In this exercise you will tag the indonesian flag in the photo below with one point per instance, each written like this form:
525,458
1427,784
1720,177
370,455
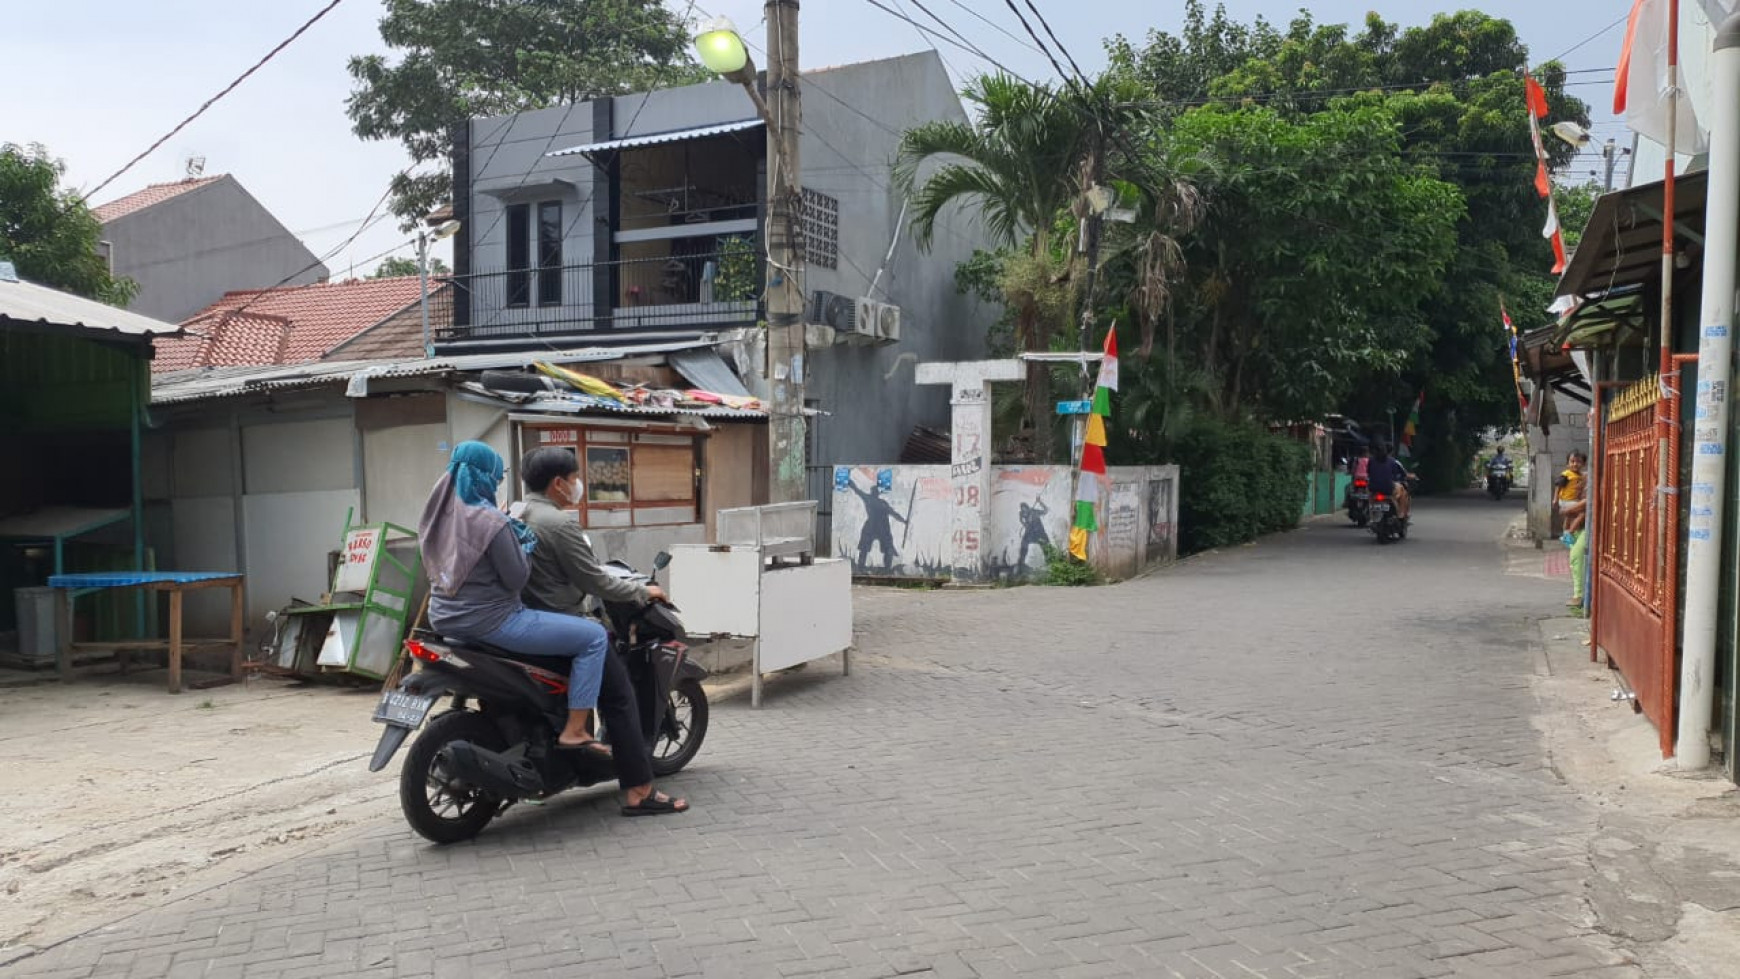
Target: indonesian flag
1640,88
1536,97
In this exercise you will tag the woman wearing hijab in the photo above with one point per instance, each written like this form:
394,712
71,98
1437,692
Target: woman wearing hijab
475,556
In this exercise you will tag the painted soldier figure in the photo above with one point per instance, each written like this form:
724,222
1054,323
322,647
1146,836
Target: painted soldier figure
878,528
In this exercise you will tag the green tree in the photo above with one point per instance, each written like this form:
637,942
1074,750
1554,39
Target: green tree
48,233
1454,92
459,59
398,266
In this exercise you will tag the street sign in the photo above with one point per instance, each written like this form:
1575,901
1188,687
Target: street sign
1075,407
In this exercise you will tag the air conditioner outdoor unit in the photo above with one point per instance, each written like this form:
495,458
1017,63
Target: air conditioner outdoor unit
832,310
864,319
888,323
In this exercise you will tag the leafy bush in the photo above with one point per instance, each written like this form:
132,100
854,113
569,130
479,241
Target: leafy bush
1236,483
1063,569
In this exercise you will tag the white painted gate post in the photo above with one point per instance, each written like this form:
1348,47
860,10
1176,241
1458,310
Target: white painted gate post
970,456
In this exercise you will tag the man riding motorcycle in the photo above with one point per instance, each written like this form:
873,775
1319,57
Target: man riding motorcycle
1498,473
564,571
1388,477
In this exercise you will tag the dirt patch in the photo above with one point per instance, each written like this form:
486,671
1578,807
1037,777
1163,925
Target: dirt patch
115,793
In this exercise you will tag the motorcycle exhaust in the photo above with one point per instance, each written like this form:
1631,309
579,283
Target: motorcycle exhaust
493,772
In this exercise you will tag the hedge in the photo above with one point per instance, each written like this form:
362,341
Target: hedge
1236,483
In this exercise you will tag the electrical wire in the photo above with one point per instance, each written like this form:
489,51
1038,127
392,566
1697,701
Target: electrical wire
208,103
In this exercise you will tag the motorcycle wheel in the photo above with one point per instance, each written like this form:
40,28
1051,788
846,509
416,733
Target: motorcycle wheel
437,807
685,727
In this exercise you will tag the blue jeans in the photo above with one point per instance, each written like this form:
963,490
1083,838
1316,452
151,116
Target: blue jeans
538,633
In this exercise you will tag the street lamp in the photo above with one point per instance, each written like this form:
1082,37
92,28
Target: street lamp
446,229
724,53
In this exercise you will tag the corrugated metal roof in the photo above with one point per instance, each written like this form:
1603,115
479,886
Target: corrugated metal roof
653,139
181,387
24,302
705,369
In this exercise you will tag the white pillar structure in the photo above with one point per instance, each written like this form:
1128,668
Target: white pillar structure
970,454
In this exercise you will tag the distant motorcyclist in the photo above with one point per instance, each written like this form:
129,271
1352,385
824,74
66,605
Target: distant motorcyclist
1389,477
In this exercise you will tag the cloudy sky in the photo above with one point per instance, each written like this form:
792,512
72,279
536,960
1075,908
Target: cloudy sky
97,81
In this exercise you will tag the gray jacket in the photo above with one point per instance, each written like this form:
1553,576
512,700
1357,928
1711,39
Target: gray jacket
564,568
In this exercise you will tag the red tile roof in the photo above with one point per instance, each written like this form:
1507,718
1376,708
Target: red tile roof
154,194
292,325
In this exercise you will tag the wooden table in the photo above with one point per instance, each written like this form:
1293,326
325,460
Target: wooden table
175,584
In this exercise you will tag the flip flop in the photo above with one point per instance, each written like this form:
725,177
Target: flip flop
656,803
591,746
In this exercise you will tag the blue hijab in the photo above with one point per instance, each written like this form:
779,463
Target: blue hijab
460,519
477,474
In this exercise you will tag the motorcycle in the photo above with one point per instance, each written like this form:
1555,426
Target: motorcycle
495,744
1359,502
1498,480
1386,523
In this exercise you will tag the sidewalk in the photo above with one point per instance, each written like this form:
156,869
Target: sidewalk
1666,851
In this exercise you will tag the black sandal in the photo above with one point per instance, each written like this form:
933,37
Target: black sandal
591,746
656,803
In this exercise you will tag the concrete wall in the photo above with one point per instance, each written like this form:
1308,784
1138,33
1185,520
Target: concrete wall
912,508
868,391
186,252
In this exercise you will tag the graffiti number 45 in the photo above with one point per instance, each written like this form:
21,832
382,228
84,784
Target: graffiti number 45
967,540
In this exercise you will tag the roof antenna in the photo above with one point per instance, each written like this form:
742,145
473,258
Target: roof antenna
195,167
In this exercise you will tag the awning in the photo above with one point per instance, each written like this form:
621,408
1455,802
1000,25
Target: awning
1621,245
653,139
1545,361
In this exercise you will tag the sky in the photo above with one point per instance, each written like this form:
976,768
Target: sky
111,77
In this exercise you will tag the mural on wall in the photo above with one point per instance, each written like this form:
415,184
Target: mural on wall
900,521
1161,530
893,520
1029,512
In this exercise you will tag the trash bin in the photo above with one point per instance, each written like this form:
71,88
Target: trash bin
37,640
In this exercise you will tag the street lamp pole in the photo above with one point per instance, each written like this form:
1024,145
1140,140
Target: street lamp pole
722,50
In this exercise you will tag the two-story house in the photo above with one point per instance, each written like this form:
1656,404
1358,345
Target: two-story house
188,242
641,218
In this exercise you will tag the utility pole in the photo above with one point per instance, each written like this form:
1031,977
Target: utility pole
786,362
1609,153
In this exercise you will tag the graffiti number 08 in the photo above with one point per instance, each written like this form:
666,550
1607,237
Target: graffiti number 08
967,496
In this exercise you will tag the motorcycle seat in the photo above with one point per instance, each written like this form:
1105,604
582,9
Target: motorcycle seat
555,664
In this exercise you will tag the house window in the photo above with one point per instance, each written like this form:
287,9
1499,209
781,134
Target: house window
633,478
519,254
821,218
550,253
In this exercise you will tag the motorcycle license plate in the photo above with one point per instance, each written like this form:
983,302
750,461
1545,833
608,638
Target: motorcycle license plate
403,709
1380,508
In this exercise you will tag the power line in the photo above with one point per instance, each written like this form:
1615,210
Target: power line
1573,49
227,89
1006,32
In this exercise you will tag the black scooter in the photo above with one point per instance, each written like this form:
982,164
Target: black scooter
1497,481
1387,524
495,744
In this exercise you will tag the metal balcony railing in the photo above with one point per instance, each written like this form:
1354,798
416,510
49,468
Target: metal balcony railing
700,291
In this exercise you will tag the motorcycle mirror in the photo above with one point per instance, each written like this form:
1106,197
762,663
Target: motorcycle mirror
661,561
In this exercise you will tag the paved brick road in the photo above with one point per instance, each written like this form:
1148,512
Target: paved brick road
1309,758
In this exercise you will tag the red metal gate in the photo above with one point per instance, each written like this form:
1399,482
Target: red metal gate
1633,577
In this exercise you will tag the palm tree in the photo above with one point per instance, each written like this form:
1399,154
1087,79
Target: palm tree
1018,166
1025,165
